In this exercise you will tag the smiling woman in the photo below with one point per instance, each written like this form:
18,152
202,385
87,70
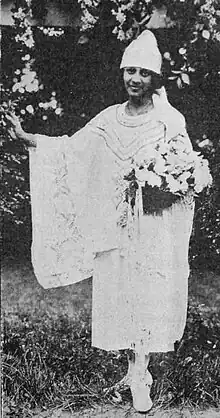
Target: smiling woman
88,218
140,84
142,73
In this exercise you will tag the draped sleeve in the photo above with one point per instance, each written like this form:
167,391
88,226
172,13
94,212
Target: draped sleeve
59,176
73,183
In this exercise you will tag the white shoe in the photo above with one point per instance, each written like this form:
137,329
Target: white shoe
140,389
141,396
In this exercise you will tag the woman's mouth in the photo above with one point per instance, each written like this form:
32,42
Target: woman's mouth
134,88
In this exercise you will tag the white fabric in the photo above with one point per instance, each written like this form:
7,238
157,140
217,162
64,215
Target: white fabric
139,272
143,52
141,295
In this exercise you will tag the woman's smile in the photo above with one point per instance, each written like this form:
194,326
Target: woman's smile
137,81
135,88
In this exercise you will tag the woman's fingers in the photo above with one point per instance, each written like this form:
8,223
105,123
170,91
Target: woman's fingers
12,133
11,117
14,127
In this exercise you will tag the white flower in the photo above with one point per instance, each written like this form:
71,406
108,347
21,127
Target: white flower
206,142
148,176
160,166
183,187
27,57
217,36
121,35
201,175
163,148
154,179
29,88
173,185
30,109
58,111
167,56
29,43
198,188
184,176
120,17
53,104
182,51
141,175
206,34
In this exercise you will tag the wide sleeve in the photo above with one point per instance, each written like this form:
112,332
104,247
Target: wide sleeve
59,171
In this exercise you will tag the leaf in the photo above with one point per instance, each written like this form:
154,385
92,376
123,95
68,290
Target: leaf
176,71
185,78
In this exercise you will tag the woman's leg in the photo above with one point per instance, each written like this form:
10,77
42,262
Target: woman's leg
138,379
125,382
141,381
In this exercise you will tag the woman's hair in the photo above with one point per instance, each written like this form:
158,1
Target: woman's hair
157,82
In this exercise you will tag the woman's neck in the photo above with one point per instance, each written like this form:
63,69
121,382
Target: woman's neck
139,106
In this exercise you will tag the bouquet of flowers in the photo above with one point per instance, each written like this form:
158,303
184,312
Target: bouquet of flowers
172,171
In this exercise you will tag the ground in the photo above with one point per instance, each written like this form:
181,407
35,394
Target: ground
128,412
22,293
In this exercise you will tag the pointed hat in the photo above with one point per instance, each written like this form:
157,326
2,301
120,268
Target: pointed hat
143,52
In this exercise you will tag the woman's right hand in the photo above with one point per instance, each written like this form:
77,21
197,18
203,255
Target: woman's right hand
16,132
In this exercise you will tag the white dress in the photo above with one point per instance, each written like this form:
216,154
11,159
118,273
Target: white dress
140,270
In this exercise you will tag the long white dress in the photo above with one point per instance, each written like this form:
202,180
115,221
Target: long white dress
140,270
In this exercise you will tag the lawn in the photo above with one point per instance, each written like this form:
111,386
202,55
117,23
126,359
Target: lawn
49,364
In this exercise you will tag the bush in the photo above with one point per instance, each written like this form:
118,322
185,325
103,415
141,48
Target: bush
93,82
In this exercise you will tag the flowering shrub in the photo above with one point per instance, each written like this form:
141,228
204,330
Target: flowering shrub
24,91
48,99
130,17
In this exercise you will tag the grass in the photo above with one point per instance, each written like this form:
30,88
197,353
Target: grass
48,361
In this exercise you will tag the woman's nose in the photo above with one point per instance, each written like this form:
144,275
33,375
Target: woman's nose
136,78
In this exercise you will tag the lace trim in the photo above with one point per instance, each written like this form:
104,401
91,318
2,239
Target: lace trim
132,121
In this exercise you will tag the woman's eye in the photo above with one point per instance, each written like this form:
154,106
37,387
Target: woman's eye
131,70
145,73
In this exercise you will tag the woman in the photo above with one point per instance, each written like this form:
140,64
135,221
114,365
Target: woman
85,222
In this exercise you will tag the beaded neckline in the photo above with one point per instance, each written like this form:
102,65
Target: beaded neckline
124,119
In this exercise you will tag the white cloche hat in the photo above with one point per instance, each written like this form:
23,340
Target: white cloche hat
143,52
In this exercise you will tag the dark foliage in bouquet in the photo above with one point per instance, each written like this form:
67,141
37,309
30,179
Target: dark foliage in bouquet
156,200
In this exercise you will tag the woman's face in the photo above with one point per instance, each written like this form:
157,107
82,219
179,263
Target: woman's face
137,82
